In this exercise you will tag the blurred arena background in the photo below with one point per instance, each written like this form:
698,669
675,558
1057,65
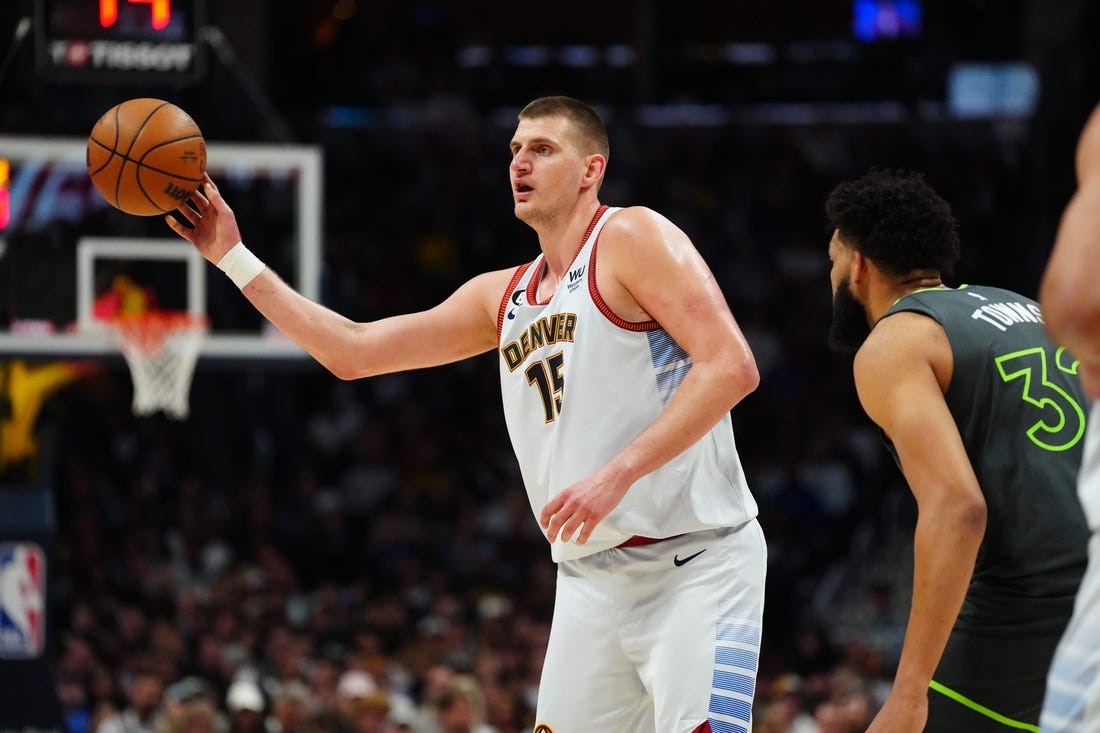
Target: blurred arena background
305,554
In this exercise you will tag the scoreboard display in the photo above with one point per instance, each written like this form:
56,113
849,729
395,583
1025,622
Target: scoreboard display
149,41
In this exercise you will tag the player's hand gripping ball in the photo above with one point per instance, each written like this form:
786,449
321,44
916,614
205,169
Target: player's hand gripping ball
146,156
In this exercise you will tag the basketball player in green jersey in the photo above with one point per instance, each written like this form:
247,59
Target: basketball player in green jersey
986,419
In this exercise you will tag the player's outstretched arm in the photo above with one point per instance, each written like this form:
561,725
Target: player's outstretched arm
898,385
649,269
1068,293
461,326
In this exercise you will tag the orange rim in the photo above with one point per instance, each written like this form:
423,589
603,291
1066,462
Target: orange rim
147,331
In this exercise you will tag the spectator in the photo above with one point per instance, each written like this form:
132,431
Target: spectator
246,706
290,709
461,707
144,691
370,713
353,687
200,716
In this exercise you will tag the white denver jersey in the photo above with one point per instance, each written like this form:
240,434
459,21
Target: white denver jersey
580,383
1072,702
1088,480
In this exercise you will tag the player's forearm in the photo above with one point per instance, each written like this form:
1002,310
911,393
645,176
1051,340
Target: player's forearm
945,548
324,334
1068,295
709,391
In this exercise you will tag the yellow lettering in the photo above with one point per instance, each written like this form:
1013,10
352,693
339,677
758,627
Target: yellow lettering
558,327
536,334
547,331
512,356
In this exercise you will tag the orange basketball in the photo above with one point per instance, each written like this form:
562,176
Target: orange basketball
146,156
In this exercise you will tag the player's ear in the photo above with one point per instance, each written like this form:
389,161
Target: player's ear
595,165
860,266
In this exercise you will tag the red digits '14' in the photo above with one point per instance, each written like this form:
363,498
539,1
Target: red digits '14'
161,12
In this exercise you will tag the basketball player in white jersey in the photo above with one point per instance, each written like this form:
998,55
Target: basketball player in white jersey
619,364
1070,298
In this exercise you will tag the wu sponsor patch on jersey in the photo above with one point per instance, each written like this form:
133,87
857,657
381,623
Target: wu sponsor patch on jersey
22,600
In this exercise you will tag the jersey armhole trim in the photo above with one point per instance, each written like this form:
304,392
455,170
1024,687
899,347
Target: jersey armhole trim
601,305
516,277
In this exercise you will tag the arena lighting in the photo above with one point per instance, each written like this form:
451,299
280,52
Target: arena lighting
579,56
1007,89
750,54
480,56
5,196
886,20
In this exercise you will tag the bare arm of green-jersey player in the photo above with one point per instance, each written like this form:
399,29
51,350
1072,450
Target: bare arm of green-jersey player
901,373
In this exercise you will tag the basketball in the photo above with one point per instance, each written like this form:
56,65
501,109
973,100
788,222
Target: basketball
146,156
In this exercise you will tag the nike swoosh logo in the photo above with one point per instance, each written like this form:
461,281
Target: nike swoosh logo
678,562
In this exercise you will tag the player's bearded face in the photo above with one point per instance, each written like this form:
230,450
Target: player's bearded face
849,328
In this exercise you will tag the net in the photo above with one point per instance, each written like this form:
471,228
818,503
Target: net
161,349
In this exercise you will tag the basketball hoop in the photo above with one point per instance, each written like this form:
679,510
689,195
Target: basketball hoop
161,348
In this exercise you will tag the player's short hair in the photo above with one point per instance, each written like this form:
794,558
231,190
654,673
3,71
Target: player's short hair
896,220
591,134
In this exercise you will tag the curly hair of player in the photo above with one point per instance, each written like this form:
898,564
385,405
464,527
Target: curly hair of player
896,220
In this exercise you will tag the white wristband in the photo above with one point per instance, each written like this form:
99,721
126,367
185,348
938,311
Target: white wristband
241,265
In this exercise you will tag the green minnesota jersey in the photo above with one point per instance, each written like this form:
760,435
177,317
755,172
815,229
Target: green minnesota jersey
1020,410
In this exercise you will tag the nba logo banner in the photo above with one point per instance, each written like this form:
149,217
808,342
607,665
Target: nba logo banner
22,600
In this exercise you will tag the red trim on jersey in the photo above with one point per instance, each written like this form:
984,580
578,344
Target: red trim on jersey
507,295
704,728
640,541
609,314
591,226
533,285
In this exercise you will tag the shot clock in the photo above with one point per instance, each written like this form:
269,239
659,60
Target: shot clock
148,41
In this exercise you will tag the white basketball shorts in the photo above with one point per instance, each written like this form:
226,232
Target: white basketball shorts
662,638
1072,702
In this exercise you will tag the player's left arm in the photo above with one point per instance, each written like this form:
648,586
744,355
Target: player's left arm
1068,293
901,373
650,270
